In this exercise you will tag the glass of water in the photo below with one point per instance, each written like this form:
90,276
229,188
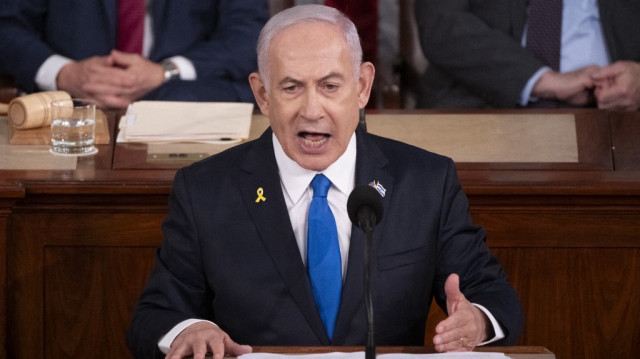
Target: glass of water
73,129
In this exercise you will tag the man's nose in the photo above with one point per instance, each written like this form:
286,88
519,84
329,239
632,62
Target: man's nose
312,106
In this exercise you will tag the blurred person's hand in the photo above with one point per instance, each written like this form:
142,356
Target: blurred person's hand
94,78
143,75
617,86
575,87
112,81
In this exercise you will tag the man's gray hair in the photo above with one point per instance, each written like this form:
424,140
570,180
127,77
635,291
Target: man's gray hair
307,14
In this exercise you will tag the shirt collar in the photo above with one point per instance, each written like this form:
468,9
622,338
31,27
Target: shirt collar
296,179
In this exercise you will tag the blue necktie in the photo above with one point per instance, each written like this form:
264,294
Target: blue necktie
323,254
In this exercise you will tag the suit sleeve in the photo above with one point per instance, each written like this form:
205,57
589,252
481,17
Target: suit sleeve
230,51
21,26
475,43
176,289
462,250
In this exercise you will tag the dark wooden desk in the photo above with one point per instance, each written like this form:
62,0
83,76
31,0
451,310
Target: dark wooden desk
79,244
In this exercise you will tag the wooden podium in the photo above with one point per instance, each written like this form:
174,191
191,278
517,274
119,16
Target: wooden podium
78,240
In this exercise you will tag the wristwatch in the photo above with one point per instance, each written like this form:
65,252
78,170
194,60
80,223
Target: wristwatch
171,71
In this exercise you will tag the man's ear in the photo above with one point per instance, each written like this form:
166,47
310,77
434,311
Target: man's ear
259,92
365,82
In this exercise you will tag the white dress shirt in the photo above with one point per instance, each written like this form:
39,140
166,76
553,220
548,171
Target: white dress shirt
296,187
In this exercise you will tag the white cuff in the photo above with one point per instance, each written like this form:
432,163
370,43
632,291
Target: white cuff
525,96
496,327
48,72
165,343
187,70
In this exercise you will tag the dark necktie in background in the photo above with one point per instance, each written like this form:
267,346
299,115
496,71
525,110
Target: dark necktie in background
323,254
544,31
130,25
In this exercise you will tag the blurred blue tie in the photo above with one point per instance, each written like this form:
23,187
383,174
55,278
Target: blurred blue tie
323,254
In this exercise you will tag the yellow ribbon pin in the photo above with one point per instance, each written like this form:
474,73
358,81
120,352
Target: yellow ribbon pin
260,196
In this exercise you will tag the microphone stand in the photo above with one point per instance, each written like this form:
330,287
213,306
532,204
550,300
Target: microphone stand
370,351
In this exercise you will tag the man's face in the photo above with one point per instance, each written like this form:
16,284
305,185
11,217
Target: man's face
314,99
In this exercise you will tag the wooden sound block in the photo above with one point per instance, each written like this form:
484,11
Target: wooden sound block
42,135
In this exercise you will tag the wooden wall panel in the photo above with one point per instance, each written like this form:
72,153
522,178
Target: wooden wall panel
564,228
578,302
3,280
89,296
73,278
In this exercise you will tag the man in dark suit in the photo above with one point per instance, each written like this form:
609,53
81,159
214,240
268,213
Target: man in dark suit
193,50
233,264
477,55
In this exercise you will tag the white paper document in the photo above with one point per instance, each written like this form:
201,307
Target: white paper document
173,121
360,355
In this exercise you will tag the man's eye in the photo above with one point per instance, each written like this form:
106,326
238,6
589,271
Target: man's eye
330,87
291,88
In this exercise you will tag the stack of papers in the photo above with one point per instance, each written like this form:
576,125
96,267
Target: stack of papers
172,121
360,355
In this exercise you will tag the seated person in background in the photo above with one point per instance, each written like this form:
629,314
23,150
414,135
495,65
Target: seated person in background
478,57
184,51
236,251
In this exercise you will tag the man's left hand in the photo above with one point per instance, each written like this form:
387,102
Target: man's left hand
466,326
618,86
141,75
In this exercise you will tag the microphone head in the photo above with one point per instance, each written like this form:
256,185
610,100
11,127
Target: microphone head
364,196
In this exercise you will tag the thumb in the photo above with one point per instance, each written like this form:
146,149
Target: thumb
234,349
454,295
123,59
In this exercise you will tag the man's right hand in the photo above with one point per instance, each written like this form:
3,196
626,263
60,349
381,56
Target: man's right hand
95,73
201,338
575,87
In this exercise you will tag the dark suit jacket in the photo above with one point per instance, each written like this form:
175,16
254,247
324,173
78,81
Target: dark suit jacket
218,36
475,55
236,262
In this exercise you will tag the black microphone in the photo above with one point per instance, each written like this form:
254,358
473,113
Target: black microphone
365,211
365,207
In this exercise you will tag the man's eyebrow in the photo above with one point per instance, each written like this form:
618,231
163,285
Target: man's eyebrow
289,80
332,75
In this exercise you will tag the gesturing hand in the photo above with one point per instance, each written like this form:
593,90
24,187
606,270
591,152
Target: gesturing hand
201,338
466,325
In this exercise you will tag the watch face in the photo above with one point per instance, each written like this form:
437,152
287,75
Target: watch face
171,71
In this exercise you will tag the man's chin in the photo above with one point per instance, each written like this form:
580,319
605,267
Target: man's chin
315,162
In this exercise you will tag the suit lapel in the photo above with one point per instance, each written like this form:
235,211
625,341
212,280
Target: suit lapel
371,165
274,227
